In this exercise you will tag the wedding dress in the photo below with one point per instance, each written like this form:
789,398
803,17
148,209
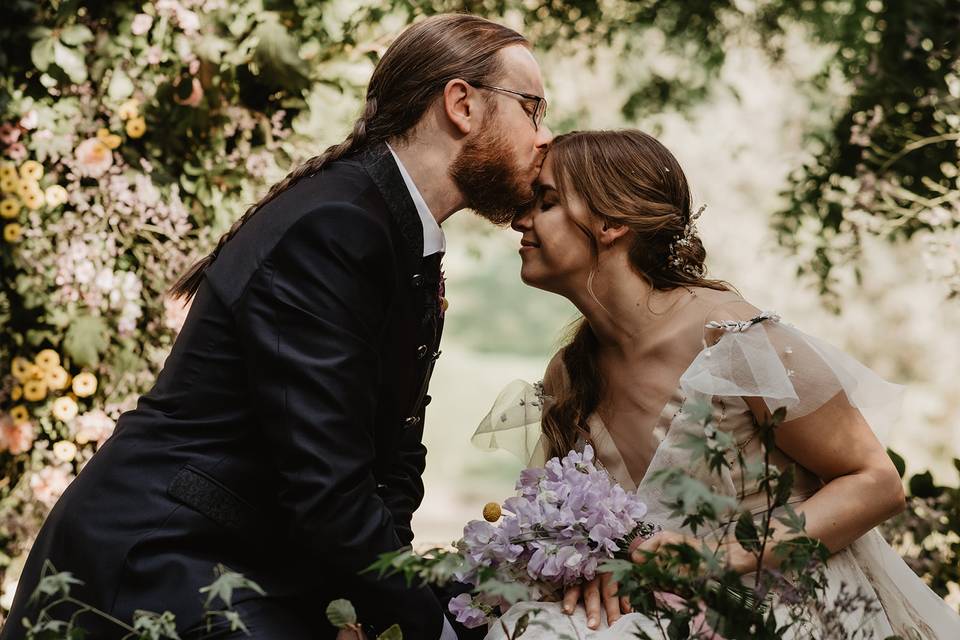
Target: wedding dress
758,358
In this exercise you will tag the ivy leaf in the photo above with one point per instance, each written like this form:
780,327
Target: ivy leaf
746,532
42,53
341,613
71,61
120,85
225,584
76,35
86,338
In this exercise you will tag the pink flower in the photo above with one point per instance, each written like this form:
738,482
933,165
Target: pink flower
92,426
174,313
16,438
141,24
49,483
93,158
17,151
9,133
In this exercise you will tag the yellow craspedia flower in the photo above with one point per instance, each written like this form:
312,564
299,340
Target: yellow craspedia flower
55,195
8,170
57,378
492,512
34,390
65,408
10,184
31,170
35,199
136,127
21,368
12,232
47,359
9,208
84,384
129,109
19,414
111,140
16,393
65,450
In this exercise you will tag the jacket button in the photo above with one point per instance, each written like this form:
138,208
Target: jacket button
417,280
421,351
426,400
412,421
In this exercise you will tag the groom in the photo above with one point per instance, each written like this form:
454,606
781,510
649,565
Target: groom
283,436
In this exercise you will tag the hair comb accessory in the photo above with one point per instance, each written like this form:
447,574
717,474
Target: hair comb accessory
684,240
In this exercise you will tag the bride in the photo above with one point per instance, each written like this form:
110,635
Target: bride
612,230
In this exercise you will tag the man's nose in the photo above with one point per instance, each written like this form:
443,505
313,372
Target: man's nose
544,137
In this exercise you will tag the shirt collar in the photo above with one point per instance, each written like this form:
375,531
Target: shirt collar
433,239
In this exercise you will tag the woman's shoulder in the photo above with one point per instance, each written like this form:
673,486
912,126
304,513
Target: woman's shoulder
717,311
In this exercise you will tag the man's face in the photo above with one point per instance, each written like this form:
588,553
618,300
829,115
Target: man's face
498,164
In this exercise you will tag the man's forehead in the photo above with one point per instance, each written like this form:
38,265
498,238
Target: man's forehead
521,68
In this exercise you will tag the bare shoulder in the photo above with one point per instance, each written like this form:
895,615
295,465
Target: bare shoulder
723,306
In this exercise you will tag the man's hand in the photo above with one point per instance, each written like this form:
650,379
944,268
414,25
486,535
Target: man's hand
601,591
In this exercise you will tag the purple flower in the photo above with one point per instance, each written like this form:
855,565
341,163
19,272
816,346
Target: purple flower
466,613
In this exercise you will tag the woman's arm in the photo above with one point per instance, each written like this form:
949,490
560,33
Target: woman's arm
861,485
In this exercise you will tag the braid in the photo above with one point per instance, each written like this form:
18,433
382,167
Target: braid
188,284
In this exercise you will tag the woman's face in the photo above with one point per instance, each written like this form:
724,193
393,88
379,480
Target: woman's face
556,252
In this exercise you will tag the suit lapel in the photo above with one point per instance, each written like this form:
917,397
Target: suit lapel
382,168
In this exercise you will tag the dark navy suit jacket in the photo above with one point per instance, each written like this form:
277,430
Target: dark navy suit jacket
283,436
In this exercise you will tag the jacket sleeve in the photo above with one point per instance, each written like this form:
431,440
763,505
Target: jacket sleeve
402,487
311,319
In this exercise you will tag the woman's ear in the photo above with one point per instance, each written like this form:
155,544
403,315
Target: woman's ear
610,232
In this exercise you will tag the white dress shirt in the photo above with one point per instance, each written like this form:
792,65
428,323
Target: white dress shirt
433,238
433,242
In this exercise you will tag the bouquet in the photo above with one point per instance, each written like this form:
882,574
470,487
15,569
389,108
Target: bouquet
568,518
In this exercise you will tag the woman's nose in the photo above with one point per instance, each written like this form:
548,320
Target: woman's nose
521,221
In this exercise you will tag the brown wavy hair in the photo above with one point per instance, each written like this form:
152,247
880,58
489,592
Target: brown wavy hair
413,71
626,178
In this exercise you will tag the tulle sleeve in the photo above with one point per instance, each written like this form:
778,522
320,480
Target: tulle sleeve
513,423
766,358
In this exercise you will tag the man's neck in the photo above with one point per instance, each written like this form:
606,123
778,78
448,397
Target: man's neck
427,165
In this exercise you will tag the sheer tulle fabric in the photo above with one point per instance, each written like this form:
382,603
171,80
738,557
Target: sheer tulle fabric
760,358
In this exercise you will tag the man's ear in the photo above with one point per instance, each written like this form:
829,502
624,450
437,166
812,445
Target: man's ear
610,232
461,103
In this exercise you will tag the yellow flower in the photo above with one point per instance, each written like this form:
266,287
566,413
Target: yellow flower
65,450
16,393
21,368
9,184
55,195
25,187
112,140
19,414
31,170
65,408
36,373
136,127
129,109
35,390
85,384
491,512
8,170
12,232
57,378
9,208
34,199
47,359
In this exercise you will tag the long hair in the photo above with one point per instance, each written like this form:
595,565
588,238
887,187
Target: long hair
626,178
406,81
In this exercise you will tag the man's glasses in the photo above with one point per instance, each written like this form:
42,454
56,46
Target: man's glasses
539,102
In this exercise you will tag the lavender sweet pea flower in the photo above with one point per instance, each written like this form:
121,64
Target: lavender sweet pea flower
467,614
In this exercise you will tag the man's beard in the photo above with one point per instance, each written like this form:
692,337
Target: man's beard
489,179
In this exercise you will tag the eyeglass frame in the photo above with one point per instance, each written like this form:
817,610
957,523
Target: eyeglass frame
538,100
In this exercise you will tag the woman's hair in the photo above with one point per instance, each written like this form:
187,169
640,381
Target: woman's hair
626,178
412,73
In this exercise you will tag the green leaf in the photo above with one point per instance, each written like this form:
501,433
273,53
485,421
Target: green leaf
392,633
922,486
277,54
784,487
71,61
746,532
341,613
225,584
76,34
42,53
898,462
120,85
86,338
